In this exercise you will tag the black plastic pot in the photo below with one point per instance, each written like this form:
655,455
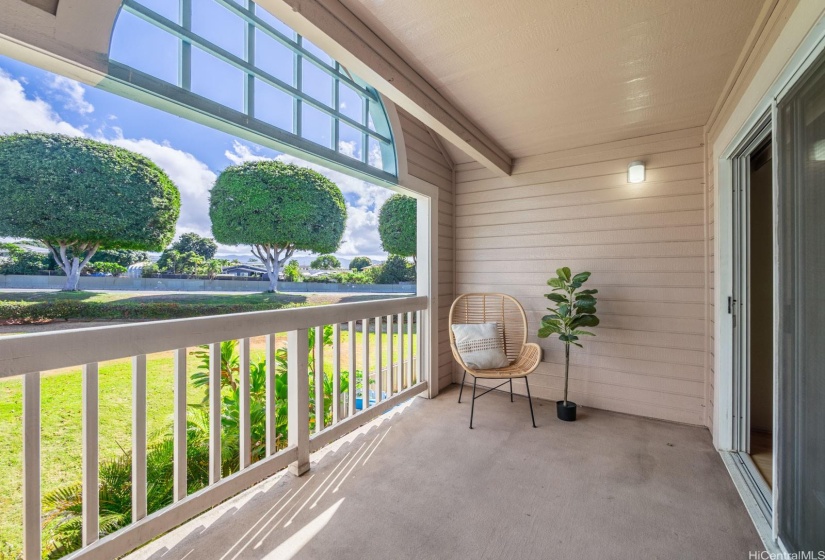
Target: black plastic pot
566,413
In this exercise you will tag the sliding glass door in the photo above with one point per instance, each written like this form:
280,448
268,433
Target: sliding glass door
801,342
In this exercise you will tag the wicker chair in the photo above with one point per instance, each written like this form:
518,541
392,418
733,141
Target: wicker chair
524,356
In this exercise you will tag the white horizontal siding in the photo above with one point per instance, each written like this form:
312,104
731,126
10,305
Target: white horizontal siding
645,244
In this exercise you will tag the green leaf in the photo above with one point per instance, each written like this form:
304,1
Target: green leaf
583,333
581,277
550,320
556,283
564,310
588,292
564,273
545,332
585,320
558,298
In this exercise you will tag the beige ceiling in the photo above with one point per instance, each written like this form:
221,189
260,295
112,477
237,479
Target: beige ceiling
544,75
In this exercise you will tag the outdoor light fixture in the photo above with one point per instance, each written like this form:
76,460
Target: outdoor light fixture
636,172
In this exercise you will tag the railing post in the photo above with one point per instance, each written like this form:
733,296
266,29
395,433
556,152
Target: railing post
245,427
138,437
379,383
352,380
336,373
298,404
271,421
365,371
400,351
91,492
319,378
214,412
390,361
31,467
180,481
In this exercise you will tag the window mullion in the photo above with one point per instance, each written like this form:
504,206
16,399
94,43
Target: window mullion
185,62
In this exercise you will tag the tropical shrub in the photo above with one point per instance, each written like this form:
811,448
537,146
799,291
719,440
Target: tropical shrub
360,263
292,272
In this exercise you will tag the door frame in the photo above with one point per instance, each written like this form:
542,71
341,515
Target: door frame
738,308
725,388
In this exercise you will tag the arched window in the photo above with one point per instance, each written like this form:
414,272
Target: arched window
231,64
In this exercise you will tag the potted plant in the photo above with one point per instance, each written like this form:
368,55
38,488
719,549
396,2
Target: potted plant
574,309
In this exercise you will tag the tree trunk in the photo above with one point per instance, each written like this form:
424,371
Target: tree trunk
273,276
566,370
72,266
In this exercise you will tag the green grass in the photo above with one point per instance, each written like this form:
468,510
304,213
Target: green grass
149,297
61,420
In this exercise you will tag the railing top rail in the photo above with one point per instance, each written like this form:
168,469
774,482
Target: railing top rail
23,354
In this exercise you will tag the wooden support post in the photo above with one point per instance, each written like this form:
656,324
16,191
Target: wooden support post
336,373
271,420
91,495
298,387
245,427
319,379
214,412
31,466
180,481
352,367
139,440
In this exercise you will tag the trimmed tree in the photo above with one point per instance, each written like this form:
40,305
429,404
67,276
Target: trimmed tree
277,208
397,226
360,263
77,195
194,243
326,262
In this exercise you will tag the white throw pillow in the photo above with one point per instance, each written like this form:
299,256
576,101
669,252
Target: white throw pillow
480,345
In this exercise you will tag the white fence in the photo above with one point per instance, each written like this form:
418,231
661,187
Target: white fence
395,377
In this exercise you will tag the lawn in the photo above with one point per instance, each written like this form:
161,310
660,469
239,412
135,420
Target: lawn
45,306
61,420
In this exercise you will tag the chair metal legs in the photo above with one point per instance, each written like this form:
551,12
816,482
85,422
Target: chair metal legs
463,377
473,405
530,400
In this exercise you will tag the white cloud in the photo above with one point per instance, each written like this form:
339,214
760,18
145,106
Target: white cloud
18,113
193,178
241,153
72,94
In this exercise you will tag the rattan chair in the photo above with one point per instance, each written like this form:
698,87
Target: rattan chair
524,356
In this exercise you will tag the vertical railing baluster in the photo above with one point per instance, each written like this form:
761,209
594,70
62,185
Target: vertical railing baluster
214,412
419,346
409,348
138,437
298,388
271,420
32,542
400,351
180,475
91,495
319,379
336,373
365,373
352,380
379,378
245,428
390,362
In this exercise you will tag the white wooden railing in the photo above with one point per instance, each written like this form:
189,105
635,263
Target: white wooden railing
393,378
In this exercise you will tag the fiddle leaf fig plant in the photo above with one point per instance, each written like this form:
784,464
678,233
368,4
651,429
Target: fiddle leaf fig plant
575,310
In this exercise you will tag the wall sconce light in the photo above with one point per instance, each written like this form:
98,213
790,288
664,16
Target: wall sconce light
636,172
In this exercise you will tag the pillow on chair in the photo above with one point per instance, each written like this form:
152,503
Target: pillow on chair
480,345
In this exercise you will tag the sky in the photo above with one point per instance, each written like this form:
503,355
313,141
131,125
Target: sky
192,154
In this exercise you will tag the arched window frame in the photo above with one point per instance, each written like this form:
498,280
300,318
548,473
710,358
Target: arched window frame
375,128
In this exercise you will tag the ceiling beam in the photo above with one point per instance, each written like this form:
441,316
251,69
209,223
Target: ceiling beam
335,29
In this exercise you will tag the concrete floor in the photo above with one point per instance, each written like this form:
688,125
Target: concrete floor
418,483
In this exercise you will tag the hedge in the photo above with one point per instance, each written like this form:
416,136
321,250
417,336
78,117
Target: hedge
14,312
